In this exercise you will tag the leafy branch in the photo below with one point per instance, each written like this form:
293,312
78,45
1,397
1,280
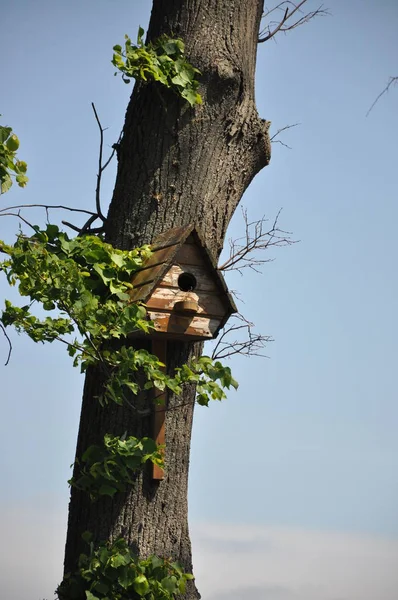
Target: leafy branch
88,282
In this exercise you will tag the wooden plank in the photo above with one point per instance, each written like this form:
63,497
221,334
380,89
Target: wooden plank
140,293
208,303
160,256
190,254
205,282
146,275
159,347
184,326
172,236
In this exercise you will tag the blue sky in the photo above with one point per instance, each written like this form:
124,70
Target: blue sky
300,464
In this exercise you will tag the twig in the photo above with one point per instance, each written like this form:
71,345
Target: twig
275,141
289,9
240,255
392,80
251,345
100,167
9,344
47,207
19,216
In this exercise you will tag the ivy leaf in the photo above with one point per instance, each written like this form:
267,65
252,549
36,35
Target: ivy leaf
107,490
141,585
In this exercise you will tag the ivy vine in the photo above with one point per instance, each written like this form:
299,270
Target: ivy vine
10,166
162,60
107,469
112,572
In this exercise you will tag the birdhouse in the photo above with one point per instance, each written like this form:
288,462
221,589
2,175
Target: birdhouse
184,292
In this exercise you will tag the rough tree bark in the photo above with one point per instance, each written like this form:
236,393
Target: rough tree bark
177,165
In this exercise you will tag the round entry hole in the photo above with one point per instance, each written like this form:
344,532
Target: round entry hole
187,282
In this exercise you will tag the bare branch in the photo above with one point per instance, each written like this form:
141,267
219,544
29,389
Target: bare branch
19,216
391,81
101,168
257,237
47,207
74,227
289,9
9,344
251,344
276,141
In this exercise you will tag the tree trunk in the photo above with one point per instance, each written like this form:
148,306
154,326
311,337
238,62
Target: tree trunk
177,165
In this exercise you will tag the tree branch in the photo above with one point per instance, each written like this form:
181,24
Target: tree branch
286,24
9,344
101,168
19,216
47,207
275,141
256,238
252,343
391,81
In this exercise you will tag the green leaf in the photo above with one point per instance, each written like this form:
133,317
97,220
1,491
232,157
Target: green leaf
87,536
6,183
170,584
141,585
140,35
12,143
119,560
107,490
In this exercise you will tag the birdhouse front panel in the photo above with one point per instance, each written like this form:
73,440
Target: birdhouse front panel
185,295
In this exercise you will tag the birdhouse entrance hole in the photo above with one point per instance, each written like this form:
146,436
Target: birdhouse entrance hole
187,282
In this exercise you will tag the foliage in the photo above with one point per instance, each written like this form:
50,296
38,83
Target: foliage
9,165
106,469
87,281
162,60
113,572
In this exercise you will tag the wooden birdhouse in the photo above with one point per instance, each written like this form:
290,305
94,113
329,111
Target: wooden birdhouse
186,299
185,294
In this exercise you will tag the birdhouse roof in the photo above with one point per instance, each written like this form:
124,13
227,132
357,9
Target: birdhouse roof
164,255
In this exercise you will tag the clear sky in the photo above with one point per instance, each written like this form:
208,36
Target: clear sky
293,485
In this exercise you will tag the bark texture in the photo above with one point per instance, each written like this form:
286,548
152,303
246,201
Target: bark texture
177,165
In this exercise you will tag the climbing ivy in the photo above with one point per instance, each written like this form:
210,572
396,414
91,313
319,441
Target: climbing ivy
107,469
162,60
85,282
9,165
113,572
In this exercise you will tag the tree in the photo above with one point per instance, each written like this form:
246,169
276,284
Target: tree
177,165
